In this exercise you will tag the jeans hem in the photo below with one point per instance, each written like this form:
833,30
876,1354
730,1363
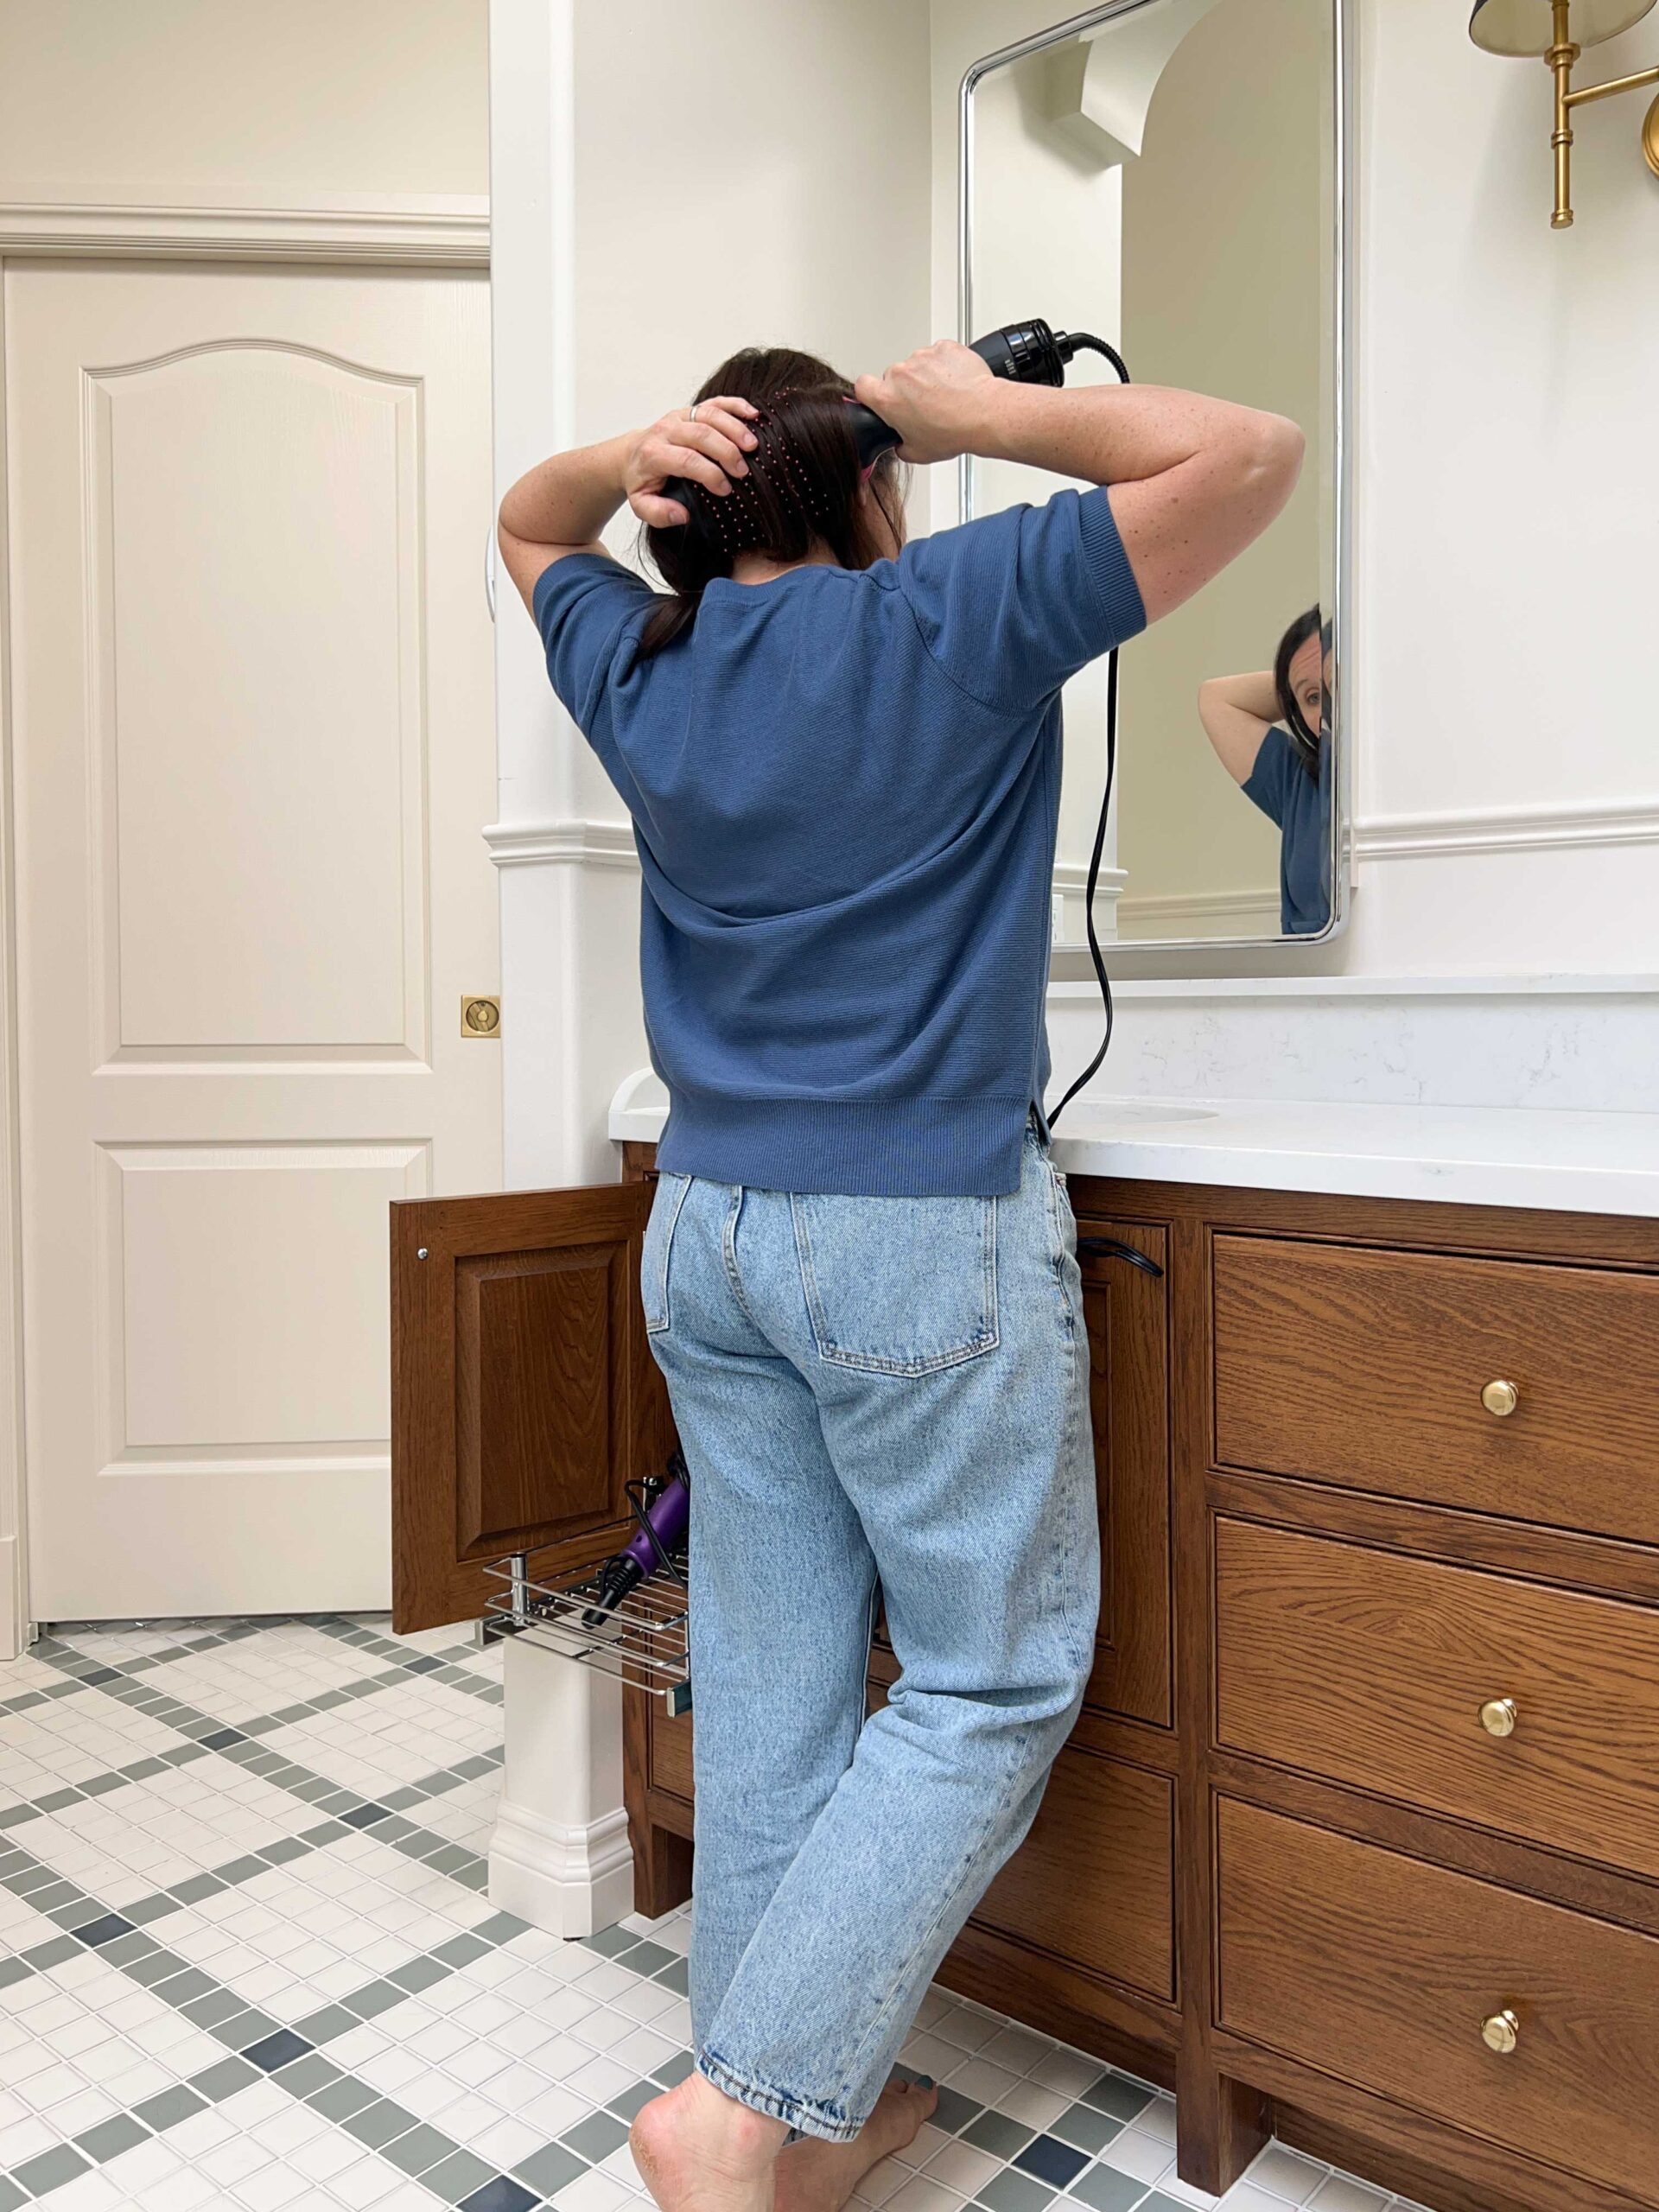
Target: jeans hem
827,2122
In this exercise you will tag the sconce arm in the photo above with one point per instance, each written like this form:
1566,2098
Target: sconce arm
1582,93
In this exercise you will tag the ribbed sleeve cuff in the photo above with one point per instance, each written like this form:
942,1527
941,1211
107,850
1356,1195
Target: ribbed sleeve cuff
1108,563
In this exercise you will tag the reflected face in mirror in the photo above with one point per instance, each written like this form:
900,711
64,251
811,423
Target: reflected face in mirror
1306,678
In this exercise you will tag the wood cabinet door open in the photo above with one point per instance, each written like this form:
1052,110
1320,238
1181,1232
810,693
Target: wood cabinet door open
524,1397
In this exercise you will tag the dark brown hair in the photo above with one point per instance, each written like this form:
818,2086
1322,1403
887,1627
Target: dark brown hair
1305,739
802,486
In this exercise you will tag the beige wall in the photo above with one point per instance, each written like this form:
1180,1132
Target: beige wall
181,101
1226,240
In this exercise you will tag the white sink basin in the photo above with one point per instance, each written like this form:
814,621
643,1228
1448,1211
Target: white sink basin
1105,1116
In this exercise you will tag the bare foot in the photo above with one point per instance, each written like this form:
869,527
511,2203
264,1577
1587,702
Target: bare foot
817,2176
700,2150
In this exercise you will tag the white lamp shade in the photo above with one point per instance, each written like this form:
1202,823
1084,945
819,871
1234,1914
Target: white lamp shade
1528,26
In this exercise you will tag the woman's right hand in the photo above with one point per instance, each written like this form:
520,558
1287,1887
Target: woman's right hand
935,399
710,449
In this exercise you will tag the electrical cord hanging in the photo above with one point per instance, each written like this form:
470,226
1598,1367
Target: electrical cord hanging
1082,341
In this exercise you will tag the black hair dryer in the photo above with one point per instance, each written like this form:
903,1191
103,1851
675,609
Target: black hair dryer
1024,352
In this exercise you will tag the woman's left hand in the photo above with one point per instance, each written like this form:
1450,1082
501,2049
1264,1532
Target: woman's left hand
707,448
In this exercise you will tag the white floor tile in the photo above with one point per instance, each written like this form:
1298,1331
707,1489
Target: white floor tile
1285,2174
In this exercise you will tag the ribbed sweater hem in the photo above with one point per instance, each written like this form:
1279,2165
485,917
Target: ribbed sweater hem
850,1148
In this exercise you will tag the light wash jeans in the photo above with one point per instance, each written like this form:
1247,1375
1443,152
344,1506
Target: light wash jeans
865,1388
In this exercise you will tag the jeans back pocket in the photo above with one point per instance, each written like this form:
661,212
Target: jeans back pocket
899,1286
657,1245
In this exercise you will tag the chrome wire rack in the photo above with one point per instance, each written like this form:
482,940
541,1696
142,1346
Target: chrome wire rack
642,1640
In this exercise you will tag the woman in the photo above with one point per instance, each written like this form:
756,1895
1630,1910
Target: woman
842,757
1270,733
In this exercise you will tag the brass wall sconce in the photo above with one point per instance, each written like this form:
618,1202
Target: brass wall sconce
1557,31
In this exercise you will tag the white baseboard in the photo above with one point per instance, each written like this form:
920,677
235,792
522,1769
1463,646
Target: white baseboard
1144,920
571,1881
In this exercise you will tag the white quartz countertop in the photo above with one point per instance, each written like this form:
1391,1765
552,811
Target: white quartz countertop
1468,1155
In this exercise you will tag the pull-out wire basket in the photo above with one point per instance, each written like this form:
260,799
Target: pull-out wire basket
643,1640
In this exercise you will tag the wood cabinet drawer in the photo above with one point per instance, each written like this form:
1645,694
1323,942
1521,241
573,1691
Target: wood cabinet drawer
1094,1882
1367,1367
1382,1969
1374,1669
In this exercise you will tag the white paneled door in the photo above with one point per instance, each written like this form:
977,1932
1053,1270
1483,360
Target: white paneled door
253,750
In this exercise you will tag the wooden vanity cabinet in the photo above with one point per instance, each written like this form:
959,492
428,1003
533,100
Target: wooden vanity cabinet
1354,1841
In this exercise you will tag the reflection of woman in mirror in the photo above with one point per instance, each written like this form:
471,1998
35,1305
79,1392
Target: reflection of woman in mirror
1270,734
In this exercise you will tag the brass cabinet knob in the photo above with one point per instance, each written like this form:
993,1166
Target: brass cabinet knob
1500,1399
1502,2032
1498,1716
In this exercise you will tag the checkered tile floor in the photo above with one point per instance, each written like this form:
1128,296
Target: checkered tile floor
247,1961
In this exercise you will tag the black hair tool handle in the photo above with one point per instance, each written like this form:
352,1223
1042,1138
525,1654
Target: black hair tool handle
1025,353
1020,352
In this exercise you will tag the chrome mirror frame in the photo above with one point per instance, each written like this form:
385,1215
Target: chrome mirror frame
1344,48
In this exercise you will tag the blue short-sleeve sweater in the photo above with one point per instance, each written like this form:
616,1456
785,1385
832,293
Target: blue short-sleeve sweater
844,786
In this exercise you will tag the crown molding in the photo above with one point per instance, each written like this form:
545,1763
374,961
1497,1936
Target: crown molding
452,232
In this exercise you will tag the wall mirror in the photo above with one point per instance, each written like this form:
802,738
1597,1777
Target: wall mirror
1169,174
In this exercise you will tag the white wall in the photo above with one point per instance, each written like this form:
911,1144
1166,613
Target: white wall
1508,511
173,102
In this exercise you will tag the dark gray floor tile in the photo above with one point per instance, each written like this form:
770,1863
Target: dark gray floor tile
53,1953
117,2133
380,2123
1046,2158
1104,2189
10,2195
281,2049
954,2111
650,1958
336,2099
677,1978
996,2133
322,2027
49,2169
458,2175
419,2148
1088,2129
1015,2192
374,1999
596,2137
419,1973
609,1941
460,1948
633,2101
499,2195
104,1930
501,1928
197,1886
14,1970
548,2169
221,2081
286,1847
168,2106
1121,2099
674,2070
